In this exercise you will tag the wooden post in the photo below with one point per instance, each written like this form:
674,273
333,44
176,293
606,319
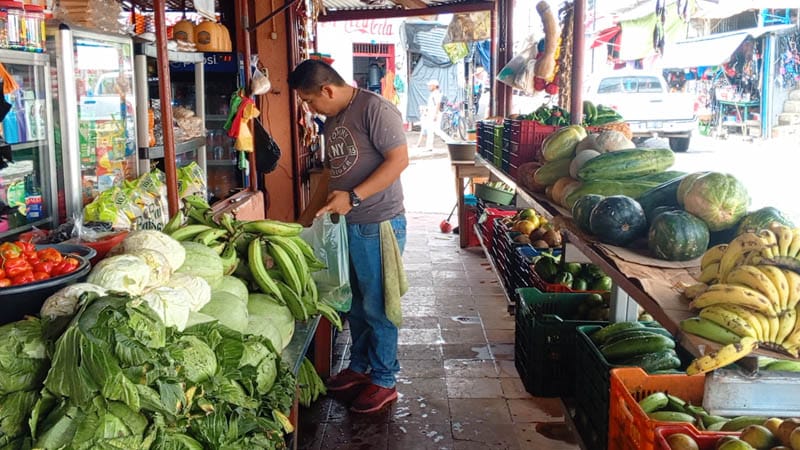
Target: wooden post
576,107
164,94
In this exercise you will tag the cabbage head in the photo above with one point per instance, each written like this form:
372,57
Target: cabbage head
23,356
197,360
234,286
121,273
172,305
15,409
228,310
267,316
66,301
197,287
155,240
203,262
160,270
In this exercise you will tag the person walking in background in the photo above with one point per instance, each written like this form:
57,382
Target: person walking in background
366,151
431,117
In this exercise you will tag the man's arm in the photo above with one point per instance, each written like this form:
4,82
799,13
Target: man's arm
395,161
317,200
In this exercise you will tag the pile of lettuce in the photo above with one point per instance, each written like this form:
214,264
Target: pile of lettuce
119,378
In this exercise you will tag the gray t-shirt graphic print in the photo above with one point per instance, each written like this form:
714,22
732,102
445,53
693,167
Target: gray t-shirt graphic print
355,142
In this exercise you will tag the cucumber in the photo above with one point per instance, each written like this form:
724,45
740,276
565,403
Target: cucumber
676,403
671,416
653,402
652,362
627,164
635,332
639,345
604,333
605,188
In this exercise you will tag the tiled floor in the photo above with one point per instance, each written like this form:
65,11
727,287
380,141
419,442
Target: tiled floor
458,386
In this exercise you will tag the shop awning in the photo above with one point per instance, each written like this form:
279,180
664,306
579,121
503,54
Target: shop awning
606,36
712,50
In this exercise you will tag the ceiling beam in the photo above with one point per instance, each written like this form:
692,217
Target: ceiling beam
361,14
410,4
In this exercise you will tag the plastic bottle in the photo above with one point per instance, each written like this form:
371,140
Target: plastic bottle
34,203
14,14
34,22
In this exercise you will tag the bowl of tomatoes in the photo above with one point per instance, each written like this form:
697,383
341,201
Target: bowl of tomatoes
30,273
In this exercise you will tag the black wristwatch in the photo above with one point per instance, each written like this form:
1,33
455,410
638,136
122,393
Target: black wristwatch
355,200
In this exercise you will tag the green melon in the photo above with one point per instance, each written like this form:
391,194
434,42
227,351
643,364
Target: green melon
762,218
719,199
677,236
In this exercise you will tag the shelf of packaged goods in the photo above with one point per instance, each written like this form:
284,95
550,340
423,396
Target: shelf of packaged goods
511,302
304,332
26,145
180,148
173,55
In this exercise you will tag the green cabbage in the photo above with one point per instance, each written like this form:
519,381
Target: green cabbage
266,316
234,286
155,240
175,441
197,287
14,411
172,305
228,310
59,308
160,270
203,262
121,273
23,356
197,360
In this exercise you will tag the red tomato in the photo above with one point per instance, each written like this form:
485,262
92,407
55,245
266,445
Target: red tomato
5,282
38,276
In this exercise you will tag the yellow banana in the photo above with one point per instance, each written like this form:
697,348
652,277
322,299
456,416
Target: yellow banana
784,236
727,354
774,328
728,320
787,322
753,278
691,292
779,280
709,274
770,240
736,295
739,247
712,255
793,279
791,350
793,339
756,320
794,247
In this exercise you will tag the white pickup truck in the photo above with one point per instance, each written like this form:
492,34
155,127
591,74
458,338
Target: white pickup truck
643,99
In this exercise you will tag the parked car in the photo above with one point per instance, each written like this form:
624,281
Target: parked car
644,100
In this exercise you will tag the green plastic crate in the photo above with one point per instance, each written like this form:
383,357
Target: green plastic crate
497,139
544,348
493,195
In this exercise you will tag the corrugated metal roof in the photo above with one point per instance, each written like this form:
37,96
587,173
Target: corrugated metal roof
357,5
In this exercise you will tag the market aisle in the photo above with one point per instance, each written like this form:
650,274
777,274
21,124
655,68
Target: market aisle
458,386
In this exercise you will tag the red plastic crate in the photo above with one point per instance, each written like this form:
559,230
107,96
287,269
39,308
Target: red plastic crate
487,221
472,219
706,440
525,141
629,428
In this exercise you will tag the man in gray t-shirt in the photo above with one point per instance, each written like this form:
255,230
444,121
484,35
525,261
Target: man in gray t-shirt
365,153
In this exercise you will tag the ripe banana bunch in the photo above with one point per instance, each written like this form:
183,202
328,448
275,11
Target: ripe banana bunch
727,354
270,252
756,301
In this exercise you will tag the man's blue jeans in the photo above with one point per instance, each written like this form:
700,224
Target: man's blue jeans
374,336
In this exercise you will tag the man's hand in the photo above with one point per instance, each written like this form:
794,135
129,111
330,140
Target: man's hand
338,203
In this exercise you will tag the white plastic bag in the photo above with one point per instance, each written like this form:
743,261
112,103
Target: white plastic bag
329,240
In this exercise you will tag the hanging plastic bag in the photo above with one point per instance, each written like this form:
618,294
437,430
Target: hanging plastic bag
259,83
519,72
329,240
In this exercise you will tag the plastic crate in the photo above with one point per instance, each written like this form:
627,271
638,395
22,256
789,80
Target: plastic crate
487,222
497,145
629,428
539,283
472,219
525,139
706,440
493,195
592,388
544,348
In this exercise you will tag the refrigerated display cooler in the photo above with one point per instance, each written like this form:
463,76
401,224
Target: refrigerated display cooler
27,157
95,110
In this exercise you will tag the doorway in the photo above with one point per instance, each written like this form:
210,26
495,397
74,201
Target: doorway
371,62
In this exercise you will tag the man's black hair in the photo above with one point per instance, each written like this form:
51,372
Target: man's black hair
311,74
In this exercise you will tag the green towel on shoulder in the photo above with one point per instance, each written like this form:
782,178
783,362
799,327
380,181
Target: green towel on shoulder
395,283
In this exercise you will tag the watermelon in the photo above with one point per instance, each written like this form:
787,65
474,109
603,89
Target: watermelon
582,210
618,220
761,218
719,199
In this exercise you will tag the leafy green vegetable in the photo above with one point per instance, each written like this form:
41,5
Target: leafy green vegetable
121,273
202,262
228,309
23,356
14,411
155,240
234,286
195,357
266,316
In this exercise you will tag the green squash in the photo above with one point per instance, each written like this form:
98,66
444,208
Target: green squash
618,220
665,194
582,209
685,184
761,218
719,199
658,210
677,236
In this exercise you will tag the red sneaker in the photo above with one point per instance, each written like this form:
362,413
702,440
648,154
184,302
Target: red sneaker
346,379
373,398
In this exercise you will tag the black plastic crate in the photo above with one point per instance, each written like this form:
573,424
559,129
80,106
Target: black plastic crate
545,340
